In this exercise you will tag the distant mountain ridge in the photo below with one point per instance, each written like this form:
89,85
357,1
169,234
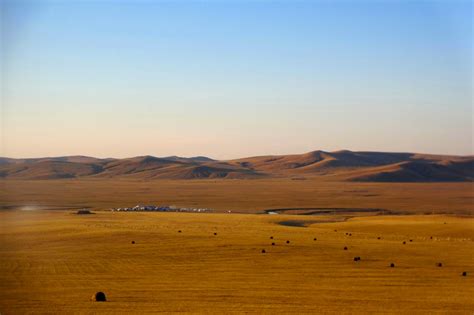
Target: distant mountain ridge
339,165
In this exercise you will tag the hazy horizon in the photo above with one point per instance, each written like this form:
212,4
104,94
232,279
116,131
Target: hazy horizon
228,158
235,79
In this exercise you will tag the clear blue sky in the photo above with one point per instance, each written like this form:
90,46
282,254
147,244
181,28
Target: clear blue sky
235,78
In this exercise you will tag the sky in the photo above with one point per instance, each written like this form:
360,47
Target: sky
230,79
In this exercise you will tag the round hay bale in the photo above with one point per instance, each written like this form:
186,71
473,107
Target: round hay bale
273,244
464,273
315,239
378,237
133,242
392,265
411,240
350,234
287,242
345,247
179,231
439,264
99,297
335,230
431,237
357,258
404,242
271,237
263,251
215,233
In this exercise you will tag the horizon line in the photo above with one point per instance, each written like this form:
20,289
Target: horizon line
235,158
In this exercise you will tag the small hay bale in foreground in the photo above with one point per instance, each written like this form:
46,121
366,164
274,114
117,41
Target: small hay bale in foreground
99,297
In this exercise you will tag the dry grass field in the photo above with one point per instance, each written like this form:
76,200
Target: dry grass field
240,195
54,261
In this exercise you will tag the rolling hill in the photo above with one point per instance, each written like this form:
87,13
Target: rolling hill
339,165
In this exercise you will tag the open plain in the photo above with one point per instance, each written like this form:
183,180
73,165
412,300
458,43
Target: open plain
247,196
54,261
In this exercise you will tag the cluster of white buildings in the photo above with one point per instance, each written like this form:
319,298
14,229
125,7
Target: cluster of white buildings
161,208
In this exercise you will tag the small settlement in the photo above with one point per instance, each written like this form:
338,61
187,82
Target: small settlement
161,208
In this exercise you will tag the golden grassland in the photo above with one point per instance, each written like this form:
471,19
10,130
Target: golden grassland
241,195
54,261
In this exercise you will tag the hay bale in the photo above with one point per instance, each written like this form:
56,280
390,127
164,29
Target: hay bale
133,242
464,273
215,233
315,239
439,264
404,242
273,244
179,231
392,265
378,237
287,242
271,237
99,297
345,247
357,258
411,240
350,234
263,251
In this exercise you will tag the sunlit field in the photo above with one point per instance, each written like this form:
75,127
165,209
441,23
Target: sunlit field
54,261
248,196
